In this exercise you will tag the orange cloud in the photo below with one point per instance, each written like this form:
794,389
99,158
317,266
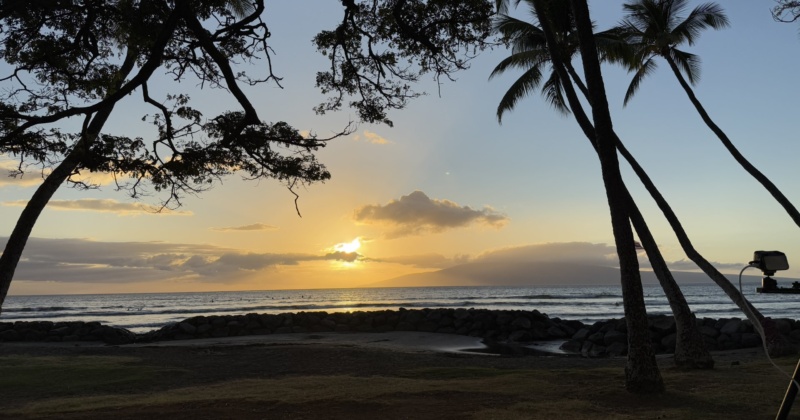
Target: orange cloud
416,214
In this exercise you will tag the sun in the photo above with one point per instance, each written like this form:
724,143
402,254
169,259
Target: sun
348,247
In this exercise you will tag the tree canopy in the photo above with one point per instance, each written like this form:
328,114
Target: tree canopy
68,64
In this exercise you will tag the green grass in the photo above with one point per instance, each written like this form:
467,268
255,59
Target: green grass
60,376
55,386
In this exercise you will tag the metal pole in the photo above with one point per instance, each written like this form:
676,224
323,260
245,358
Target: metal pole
791,392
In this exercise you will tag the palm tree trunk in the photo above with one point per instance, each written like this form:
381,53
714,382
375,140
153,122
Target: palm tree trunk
690,349
755,173
776,344
641,371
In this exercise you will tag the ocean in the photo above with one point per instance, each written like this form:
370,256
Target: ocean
144,312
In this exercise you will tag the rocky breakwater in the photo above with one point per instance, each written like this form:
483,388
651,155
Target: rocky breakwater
499,326
508,332
609,338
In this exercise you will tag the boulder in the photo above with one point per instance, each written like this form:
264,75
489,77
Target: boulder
617,349
581,334
750,340
615,337
571,346
662,324
733,326
521,322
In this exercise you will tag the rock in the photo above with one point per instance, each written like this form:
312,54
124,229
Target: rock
617,349
571,346
731,327
784,326
597,351
556,332
662,324
504,318
461,314
521,322
751,340
116,336
586,347
187,328
520,336
597,337
709,331
581,335
615,337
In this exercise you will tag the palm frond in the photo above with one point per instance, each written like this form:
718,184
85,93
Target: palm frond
523,61
688,63
647,67
522,87
554,93
707,15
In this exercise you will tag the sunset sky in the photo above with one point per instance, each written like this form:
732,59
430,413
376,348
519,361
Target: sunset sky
447,184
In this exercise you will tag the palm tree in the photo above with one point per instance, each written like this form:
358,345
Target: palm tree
612,49
655,28
530,53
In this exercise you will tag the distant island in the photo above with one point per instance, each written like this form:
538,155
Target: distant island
537,273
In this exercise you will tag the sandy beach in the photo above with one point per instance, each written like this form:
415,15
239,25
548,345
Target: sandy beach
393,375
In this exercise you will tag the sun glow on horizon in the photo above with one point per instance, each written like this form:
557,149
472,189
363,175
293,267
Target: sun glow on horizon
348,247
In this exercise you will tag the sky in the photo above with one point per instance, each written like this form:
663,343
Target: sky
447,185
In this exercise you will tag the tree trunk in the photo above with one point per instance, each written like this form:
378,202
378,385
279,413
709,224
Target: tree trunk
641,371
22,230
755,173
690,349
776,344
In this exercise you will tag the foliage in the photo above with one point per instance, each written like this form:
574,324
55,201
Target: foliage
655,28
786,10
381,47
77,60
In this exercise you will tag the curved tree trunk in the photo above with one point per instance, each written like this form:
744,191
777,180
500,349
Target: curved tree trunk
690,349
755,173
22,230
641,371
776,344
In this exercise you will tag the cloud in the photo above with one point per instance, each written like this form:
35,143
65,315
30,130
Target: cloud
416,214
371,137
687,265
103,206
565,252
84,260
424,260
9,176
245,228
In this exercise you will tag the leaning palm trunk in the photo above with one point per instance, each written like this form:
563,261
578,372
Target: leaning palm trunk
690,349
776,344
641,370
755,173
